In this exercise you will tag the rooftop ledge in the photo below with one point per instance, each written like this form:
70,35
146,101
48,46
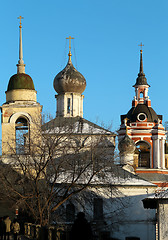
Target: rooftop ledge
153,170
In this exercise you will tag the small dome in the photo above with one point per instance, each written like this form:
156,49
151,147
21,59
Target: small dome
126,145
20,81
69,80
141,80
142,112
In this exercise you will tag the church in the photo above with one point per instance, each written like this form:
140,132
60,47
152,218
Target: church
143,167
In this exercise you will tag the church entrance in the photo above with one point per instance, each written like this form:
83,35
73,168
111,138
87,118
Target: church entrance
143,150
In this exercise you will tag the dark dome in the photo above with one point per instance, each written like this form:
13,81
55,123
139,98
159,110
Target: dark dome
141,80
142,110
20,81
126,145
69,80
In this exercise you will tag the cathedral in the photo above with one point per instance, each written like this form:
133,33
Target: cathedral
143,166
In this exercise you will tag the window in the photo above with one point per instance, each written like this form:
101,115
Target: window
68,105
70,212
22,135
141,94
141,117
98,209
143,150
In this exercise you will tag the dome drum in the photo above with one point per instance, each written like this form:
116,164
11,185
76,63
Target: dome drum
21,95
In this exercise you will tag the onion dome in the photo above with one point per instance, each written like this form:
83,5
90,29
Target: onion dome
20,81
126,145
142,113
141,79
69,79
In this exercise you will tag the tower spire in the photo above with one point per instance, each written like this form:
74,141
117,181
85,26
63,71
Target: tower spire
141,61
70,54
20,65
141,86
141,79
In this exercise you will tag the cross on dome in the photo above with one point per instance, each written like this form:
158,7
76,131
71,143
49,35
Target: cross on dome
20,17
141,45
70,54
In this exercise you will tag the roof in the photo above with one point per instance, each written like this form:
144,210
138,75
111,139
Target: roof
154,177
20,81
69,80
119,176
111,175
141,80
75,125
142,108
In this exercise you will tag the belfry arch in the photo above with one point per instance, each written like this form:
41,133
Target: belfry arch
22,135
143,149
17,115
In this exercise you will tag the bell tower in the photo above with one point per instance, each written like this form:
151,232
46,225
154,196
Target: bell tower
21,113
145,128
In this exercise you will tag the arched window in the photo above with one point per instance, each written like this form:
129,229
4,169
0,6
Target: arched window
143,149
22,135
141,94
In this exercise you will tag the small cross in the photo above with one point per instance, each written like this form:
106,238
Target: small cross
20,20
70,42
141,45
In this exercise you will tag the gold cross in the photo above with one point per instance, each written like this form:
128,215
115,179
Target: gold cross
70,38
20,20
141,45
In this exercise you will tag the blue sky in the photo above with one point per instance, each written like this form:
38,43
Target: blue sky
107,34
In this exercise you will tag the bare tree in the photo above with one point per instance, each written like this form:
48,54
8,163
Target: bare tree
62,159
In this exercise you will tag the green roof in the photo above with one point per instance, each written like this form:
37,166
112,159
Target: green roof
20,81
